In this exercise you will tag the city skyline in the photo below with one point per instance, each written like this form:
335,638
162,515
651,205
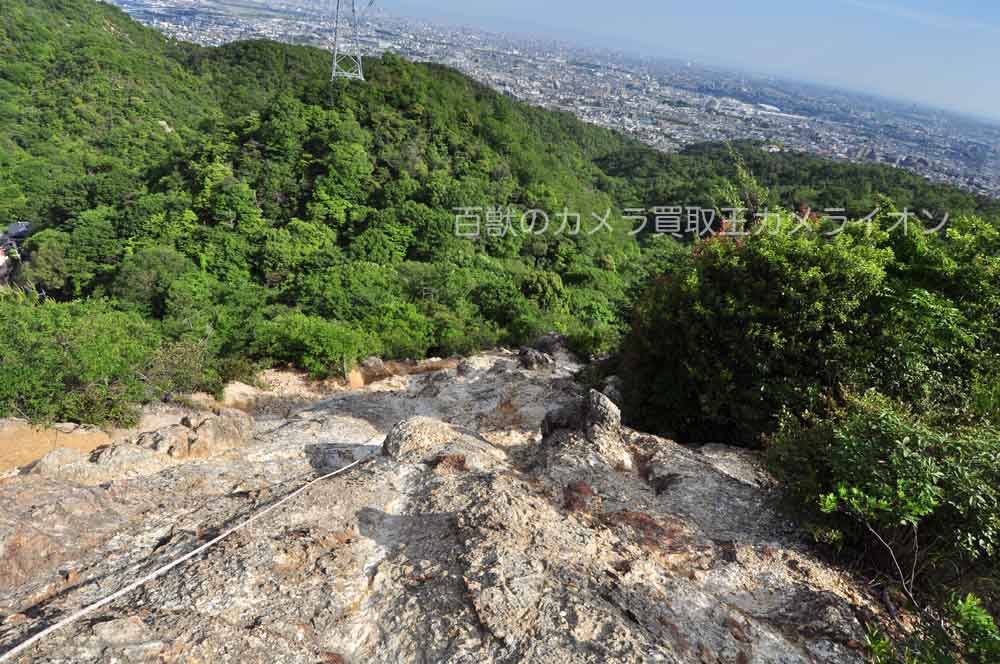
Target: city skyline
922,52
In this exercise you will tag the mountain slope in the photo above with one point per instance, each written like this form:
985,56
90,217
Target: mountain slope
83,89
234,203
246,208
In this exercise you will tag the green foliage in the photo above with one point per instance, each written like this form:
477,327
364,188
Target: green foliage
186,366
879,649
922,502
145,278
882,467
970,636
738,330
788,317
202,188
976,630
404,331
81,361
50,267
985,396
323,348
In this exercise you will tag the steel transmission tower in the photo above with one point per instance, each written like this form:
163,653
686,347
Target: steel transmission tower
346,44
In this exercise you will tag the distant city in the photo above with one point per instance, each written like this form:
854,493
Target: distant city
667,104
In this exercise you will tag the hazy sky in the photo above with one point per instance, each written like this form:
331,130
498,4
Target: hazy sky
944,53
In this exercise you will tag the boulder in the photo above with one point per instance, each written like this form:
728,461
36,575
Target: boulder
535,359
613,389
122,461
59,461
214,435
200,436
550,343
505,365
373,369
173,440
106,464
596,416
568,417
588,433
603,417
423,440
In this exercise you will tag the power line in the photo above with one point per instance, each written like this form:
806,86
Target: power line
347,62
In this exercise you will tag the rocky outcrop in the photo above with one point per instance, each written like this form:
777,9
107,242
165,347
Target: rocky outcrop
535,359
197,436
613,389
22,443
468,536
44,525
113,462
426,441
552,344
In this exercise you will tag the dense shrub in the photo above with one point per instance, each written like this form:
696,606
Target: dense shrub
321,347
920,502
966,634
741,328
790,316
81,362
403,331
145,278
932,495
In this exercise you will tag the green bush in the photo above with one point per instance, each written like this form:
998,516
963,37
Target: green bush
921,501
145,278
403,331
965,634
791,316
461,331
188,366
975,631
79,362
321,347
985,395
740,329
918,503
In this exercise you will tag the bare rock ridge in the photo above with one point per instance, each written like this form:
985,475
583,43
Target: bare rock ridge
506,516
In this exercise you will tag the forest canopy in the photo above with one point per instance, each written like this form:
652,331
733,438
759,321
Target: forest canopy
236,200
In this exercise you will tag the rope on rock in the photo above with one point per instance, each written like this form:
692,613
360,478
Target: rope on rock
20,648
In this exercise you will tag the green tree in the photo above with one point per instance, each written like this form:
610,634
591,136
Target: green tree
145,278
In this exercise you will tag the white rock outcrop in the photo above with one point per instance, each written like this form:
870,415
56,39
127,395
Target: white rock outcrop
468,537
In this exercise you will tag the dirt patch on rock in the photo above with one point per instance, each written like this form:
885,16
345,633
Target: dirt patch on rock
21,443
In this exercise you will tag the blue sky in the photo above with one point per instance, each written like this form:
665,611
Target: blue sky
945,54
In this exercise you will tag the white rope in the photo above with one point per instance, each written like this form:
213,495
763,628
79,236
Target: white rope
10,654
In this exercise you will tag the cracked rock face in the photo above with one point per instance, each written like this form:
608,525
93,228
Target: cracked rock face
466,537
